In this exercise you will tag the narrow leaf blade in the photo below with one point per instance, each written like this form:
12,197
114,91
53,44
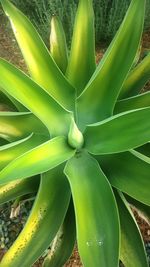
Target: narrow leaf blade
127,177
58,45
17,125
41,66
132,251
119,133
136,79
136,102
42,224
81,64
24,89
37,160
98,99
98,241
13,150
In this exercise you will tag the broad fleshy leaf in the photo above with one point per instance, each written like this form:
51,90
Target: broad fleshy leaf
41,66
58,45
37,160
96,212
119,133
136,78
42,224
13,150
20,86
98,99
129,174
17,125
132,252
81,64
135,102
18,188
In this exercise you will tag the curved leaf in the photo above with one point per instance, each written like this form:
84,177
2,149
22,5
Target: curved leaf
135,102
18,188
43,222
22,88
98,99
119,133
132,251
96,213
37,160
81,64
64,242
11,151
136,78
41,66
58,45
129,174
16,125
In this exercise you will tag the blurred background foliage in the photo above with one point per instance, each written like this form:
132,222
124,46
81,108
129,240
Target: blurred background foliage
108,16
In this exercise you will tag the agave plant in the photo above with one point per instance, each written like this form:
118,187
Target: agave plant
78,139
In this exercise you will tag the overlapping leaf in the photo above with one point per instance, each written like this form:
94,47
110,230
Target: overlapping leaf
41,66
17,125
21,87
18,188
98,99
37,160
119,133
136,102
13,150
132,251
129,174
42,224
136,78
96,212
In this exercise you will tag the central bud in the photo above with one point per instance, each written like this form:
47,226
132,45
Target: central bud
75,137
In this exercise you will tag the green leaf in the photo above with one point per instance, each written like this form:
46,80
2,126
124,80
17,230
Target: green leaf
17,125
13,150
41,66
132,251
96,213
24,89
81,63
43,222
19,188
119,133
98,99
37,160
129,174
58,45
135,102
144,209
64,242
136,79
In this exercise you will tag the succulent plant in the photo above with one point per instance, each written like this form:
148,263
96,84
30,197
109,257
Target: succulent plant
78,137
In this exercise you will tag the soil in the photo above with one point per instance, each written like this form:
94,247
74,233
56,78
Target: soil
10,51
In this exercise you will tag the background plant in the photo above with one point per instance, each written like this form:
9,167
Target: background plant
72,126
